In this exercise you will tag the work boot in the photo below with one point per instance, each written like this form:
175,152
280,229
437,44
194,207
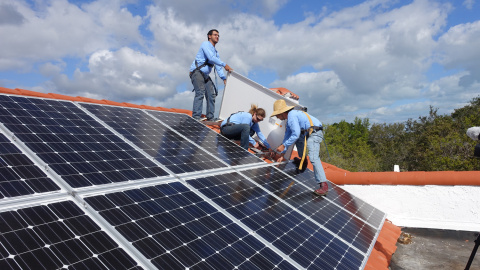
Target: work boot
323,190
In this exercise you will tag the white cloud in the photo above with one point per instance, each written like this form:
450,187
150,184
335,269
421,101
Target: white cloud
212,12
374,58
123,75
57,29
468,4
9,15
52,69
459,49
182,100
448,92
366,60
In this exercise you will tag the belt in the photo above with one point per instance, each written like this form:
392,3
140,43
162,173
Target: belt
191,72
226,125
315,129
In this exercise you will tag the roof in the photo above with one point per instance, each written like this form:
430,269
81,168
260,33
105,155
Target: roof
386,242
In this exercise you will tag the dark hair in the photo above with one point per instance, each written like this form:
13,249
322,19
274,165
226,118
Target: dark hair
211,33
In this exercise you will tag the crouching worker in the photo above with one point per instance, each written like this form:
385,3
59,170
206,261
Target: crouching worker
243,125
305,131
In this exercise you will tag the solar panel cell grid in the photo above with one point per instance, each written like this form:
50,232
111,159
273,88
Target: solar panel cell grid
278,223
19,176
175,229
70,134
330,215
212,142
281,225
353,204
175,152
48,237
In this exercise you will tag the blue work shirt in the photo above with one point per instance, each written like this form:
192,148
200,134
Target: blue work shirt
297,121
246,118
207,52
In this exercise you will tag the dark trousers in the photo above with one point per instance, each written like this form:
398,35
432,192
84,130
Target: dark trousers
300,144
240,132
204,88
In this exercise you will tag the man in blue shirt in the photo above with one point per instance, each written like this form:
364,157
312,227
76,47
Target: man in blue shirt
242,125
206,58
299,125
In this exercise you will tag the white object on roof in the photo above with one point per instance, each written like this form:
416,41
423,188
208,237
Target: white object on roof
473,133
240,93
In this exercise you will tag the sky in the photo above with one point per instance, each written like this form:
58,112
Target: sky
385,60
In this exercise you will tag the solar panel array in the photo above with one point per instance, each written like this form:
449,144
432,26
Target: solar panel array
88,186
209,140
175,152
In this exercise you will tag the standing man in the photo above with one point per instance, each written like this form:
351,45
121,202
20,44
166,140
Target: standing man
302,127
207,57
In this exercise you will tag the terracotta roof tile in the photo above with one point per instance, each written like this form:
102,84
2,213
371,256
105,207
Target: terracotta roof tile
33,93
9,91
109,102
91,100
126,104
64,97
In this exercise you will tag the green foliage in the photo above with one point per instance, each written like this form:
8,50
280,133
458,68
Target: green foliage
430,143
348,146
390,144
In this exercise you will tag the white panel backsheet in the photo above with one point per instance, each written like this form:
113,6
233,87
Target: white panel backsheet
240,93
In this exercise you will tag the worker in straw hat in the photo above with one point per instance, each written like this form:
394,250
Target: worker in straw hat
304,131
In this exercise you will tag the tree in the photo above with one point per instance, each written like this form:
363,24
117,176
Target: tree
430,143
348,146
390,144
440,143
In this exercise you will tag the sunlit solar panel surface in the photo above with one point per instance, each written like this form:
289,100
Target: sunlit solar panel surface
88,186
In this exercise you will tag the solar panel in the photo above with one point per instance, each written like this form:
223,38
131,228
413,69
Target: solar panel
212,142
165,145
330,212
301,235
57,236
206,216
19,176
176,229
73,144
339,196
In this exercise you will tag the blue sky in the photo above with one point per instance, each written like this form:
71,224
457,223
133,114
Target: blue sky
383,60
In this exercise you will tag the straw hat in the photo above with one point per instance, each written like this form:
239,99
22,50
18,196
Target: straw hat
280,106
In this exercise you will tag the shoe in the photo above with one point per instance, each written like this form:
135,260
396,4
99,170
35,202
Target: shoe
215,120
200,118
323,190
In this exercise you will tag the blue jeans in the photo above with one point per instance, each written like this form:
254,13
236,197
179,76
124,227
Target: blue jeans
203,86
237,132
313,147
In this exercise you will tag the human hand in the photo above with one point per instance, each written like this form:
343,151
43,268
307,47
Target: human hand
228,68
280,148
